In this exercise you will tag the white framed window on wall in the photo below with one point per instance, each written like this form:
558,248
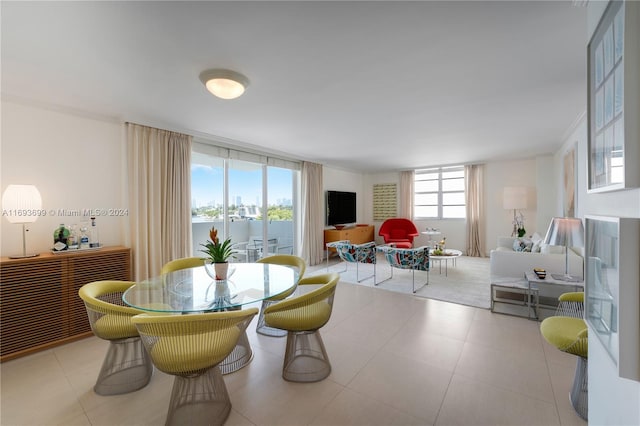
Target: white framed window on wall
250,197
439,193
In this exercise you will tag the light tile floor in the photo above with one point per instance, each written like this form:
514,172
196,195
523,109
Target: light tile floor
397,360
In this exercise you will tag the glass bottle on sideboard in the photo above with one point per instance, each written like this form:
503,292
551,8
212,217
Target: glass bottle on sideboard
94,240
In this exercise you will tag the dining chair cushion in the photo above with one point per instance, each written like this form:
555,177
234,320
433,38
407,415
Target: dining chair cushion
195,352
568,334
300,319
309,311
113,327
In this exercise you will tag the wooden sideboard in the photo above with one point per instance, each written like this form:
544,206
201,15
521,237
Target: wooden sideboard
40,303
356,235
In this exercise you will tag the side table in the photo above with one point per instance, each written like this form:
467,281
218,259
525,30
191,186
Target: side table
525,296
549,289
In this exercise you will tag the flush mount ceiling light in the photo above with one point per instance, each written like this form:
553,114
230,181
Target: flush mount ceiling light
225,84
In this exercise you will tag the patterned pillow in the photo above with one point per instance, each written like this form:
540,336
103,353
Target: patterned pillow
522,244
537,242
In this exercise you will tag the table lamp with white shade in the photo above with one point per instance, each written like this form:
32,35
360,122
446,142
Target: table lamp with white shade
21,204
514,198
567,232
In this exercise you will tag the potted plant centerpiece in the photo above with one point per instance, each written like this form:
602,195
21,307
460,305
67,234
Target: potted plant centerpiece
218,255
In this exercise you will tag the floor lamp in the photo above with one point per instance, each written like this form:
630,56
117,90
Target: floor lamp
567,232
21,203
514,198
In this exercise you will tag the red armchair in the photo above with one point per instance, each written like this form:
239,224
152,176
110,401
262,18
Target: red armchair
399,231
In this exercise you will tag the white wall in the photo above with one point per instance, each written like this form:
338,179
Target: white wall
612,400
75,161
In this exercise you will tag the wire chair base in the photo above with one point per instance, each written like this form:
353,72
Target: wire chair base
579,391
199,400
241,355
306,358
127,367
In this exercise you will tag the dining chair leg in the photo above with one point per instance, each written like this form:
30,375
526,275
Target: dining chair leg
126,367
200,400
306,358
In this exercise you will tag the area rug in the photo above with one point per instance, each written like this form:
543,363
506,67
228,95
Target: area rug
466,283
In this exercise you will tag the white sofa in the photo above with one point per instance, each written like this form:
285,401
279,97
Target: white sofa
505,262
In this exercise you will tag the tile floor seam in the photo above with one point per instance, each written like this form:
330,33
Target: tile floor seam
238,413
505,389
320,412
70,384
371,398
553,392
444,397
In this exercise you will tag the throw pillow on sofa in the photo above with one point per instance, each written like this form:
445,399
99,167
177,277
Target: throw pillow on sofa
537,242
522,244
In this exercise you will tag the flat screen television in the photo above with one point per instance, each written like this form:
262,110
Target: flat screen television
341,207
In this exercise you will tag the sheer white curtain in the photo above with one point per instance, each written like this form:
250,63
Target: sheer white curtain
312,213
159,167
474,181
406,194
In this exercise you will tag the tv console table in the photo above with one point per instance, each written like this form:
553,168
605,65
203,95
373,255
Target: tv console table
356,235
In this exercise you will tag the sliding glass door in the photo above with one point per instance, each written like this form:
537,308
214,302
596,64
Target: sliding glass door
251,202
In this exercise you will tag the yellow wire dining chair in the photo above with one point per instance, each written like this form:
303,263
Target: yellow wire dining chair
305,358
190,347
126,366
278,259
242,354
570,335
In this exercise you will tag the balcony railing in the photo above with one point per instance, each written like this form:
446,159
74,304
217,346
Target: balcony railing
247,237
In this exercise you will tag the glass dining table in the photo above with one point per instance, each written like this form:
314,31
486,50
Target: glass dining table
192,291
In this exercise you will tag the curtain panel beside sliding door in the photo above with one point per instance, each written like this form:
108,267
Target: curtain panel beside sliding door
159,164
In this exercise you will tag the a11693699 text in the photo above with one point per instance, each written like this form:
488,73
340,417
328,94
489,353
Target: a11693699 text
61,212
24,212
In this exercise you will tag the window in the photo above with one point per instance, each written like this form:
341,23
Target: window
439,193
249,197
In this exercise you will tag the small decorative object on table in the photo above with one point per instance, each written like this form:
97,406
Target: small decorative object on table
218,255
540,272
60,238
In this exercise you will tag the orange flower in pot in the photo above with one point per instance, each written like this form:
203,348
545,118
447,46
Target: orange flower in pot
217,253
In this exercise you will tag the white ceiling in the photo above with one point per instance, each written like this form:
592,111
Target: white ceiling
370,86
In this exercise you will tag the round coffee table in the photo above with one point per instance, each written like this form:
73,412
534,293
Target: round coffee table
449,254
